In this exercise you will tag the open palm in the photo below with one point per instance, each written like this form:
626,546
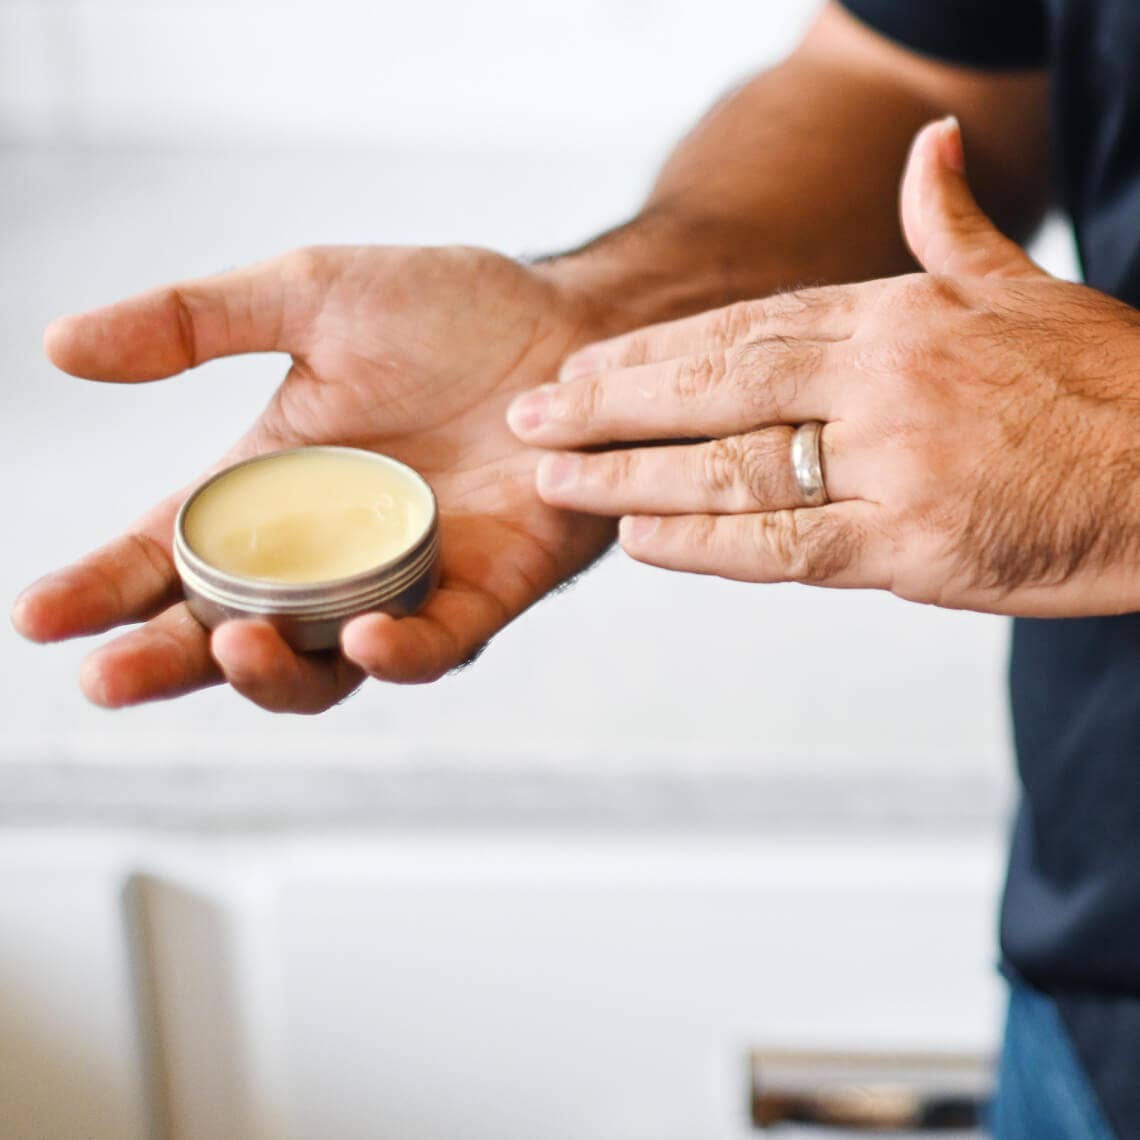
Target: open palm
412,352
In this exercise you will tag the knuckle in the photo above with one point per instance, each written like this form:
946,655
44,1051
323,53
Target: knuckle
697,376
734,322
703,534
721,464
581,401
811,548
922,292
306,265
617,469
755,475
909,292
770,370
633,350
792,302
745,469
765,466
798,306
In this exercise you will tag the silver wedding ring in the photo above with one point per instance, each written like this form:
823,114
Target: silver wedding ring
807,464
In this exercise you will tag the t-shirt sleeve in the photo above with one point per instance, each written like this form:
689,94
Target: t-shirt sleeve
975,33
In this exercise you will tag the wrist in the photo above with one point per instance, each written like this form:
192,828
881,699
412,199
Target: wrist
655,268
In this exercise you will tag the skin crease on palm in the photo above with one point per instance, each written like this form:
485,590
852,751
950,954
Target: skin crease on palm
492,329
980,426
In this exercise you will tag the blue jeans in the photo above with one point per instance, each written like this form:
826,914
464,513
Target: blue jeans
1043,1092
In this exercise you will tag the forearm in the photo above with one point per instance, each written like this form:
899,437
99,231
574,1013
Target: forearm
793,179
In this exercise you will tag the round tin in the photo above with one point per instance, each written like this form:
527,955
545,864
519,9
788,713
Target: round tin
309,615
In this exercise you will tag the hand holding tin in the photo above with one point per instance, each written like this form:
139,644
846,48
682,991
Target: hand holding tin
411,352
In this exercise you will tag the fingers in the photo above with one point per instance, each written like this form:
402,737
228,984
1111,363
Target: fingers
167,657
450,631
173,654
262,308
716,392
796,313
821,546
127,580
738,475
257,662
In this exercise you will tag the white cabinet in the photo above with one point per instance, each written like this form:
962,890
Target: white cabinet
487,986
69,1046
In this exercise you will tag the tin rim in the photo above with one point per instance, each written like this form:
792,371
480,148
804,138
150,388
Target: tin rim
327,602
266,595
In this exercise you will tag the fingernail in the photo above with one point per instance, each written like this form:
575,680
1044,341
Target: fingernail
356,636
557,472
97,686
953,151
247,649
579,364
33,611
637,528
228,651
19,615
531,410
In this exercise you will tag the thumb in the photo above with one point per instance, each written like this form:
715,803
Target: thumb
257,309
943,223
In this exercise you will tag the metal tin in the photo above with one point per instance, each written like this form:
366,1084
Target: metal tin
310,615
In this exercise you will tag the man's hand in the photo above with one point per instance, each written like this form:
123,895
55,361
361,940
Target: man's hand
982,427
415,353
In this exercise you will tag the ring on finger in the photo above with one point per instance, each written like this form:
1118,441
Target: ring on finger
807,464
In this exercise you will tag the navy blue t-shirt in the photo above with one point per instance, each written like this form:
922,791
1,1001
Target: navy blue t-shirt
1071,914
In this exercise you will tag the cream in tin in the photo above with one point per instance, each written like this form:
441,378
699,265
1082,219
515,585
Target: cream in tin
307,539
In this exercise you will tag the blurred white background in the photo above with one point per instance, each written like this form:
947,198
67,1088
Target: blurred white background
856,746
620,73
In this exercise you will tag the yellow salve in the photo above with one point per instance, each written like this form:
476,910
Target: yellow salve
307,516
